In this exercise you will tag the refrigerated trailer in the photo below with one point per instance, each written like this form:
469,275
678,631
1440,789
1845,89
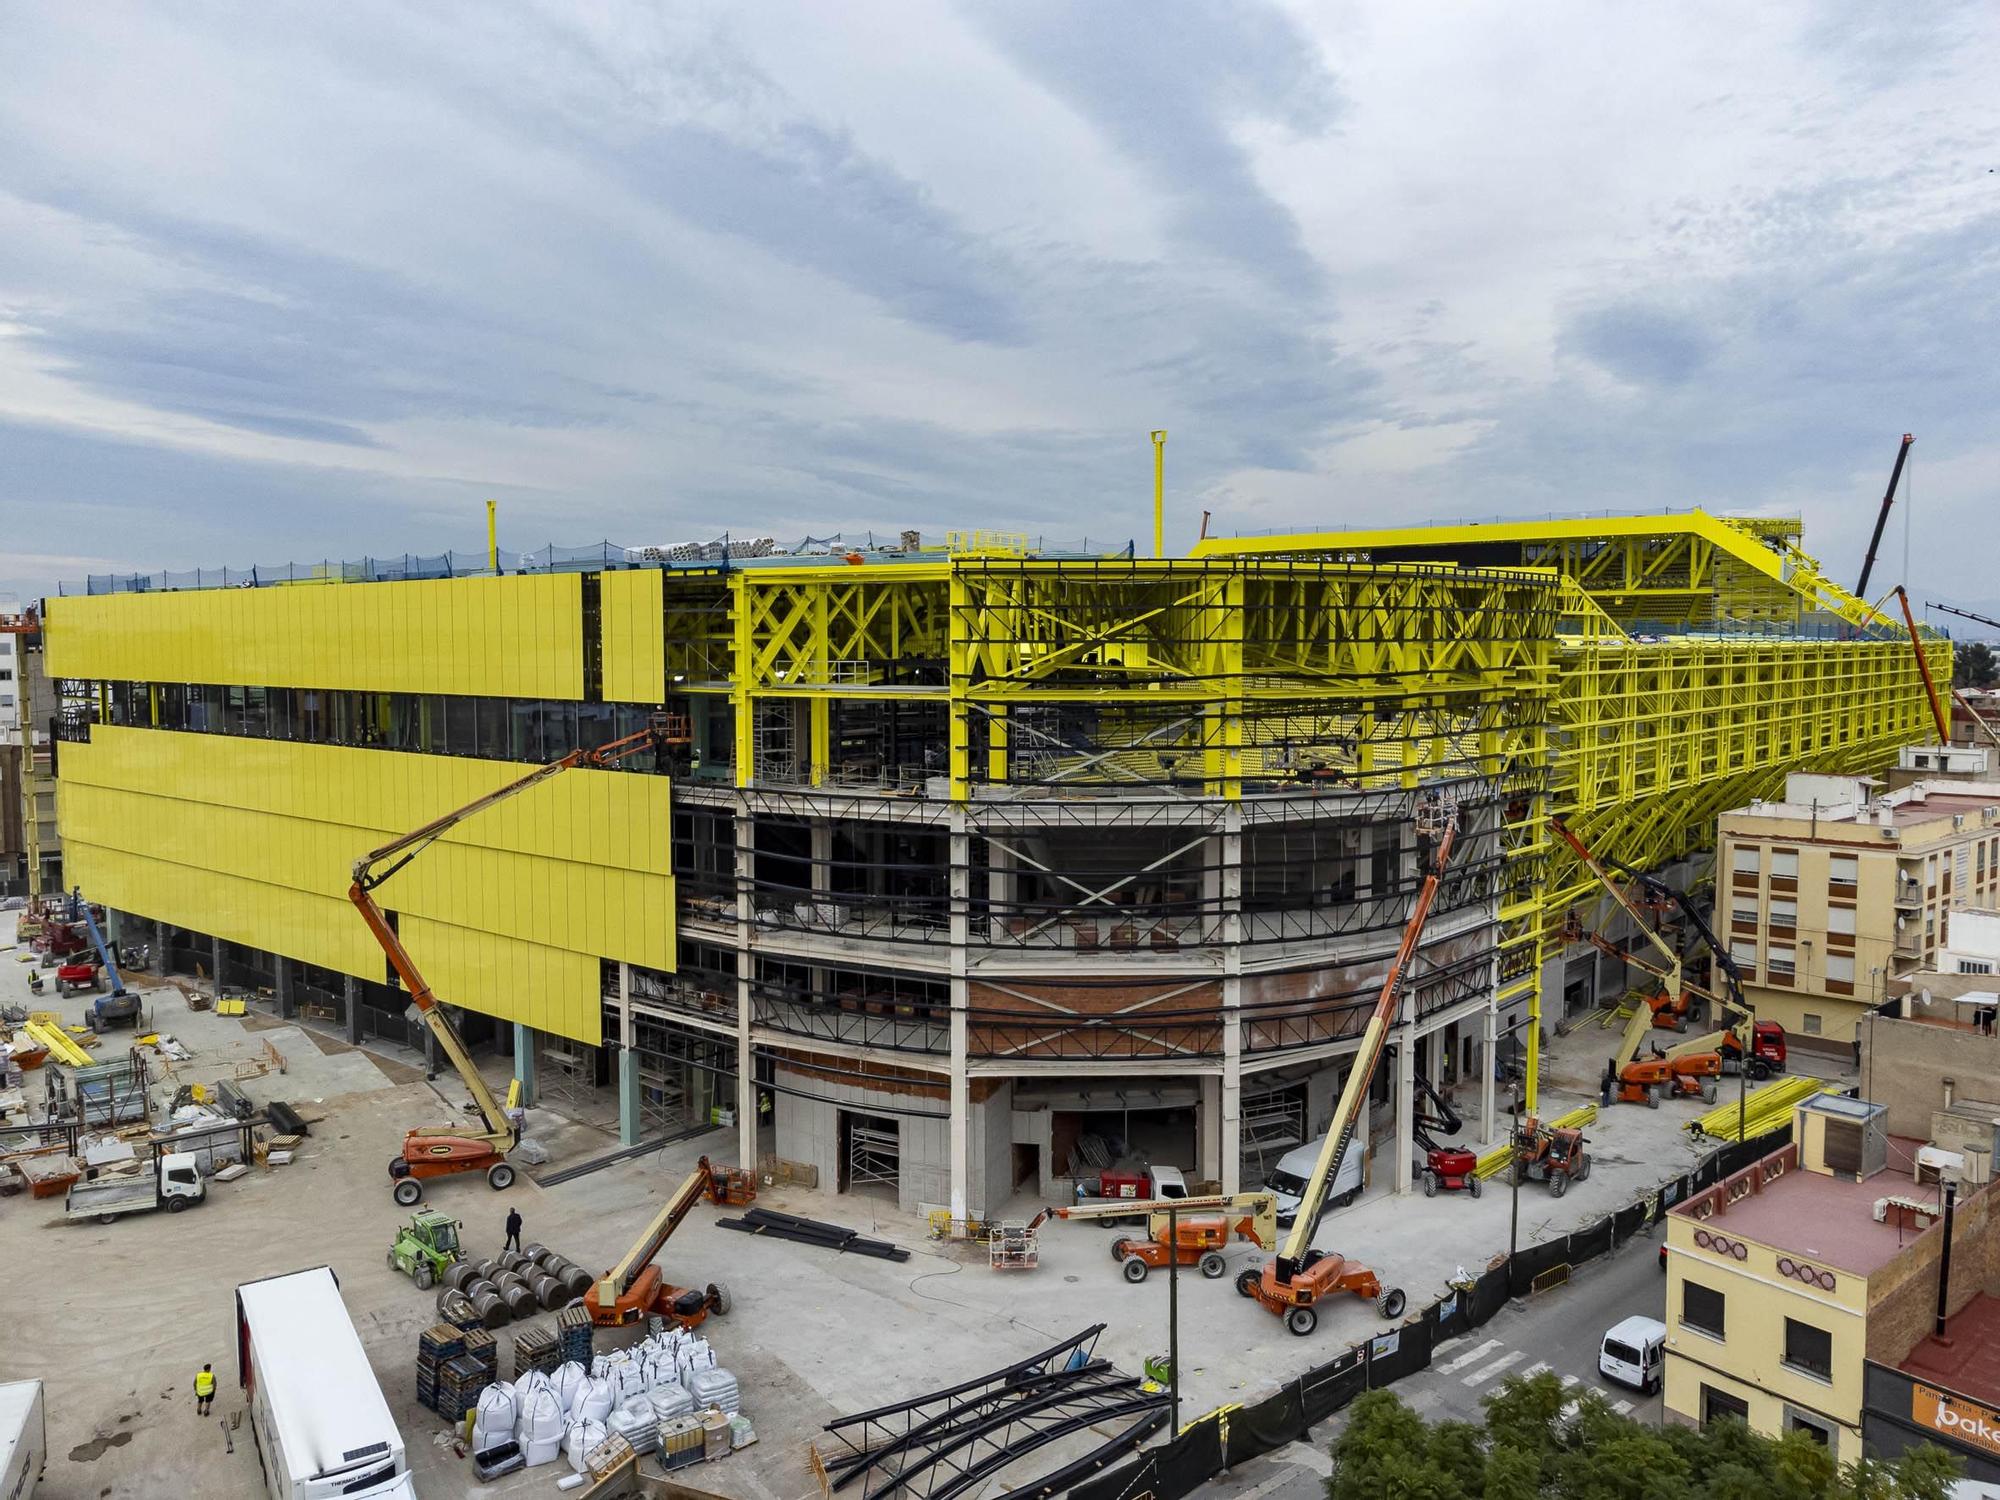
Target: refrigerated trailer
317,1415
24,1439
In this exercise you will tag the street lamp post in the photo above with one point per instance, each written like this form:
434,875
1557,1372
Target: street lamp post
1513,1163
1174,1320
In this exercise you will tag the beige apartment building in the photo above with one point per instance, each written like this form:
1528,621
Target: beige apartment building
1841,890
1792,1281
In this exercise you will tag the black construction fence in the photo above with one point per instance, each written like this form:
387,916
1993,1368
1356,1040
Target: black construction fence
1226,1437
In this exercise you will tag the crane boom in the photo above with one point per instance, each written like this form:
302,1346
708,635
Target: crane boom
1963,614
1882,516
499,1130
1642,1016
1438,820
617,1281
1938,715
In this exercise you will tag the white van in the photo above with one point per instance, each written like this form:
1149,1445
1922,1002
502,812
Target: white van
1295,1168
1635,1353
321,1425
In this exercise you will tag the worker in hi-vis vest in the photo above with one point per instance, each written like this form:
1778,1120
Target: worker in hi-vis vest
204,1390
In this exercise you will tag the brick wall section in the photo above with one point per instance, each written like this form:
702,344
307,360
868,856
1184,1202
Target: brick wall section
1904,1065
1902,1296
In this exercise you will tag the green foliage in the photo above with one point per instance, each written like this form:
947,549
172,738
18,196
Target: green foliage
1530,1449
1974,665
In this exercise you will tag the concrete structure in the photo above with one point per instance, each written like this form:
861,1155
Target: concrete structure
1787,1278
1930,1069
1835,895
970,853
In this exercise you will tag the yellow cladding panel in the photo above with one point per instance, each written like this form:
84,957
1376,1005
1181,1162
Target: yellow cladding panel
512,637
253,840
633,608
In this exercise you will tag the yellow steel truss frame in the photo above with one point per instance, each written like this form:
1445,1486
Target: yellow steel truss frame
1650,737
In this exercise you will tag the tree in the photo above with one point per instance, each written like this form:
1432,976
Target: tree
1541,1442
1973,665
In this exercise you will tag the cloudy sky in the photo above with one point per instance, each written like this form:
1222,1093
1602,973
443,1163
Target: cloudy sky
287,282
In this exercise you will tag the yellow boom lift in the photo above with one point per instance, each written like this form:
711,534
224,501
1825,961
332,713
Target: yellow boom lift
1301,1276
1688,1068
445,1150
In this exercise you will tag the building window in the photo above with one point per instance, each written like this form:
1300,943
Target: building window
1782,960
1840,921
1720,1406
1840,967
1745,914
1810,1023
1701,1308
1748,859
1785,864
1974,966
1784,913
1809,1349
1745,954
1843,869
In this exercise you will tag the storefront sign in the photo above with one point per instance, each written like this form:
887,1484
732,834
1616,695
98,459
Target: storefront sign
1955,1417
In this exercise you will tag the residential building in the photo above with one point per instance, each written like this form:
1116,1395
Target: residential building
1933,1068
1837,893
968,852
10,683
1787,1278
41,838
1944,1391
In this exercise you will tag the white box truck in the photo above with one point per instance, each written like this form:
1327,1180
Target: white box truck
24,1439
320,1424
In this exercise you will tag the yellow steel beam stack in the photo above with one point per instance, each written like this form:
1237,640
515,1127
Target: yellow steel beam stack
1765,1110
61,1048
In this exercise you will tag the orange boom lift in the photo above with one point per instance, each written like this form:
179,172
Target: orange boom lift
1301,1276
445,1150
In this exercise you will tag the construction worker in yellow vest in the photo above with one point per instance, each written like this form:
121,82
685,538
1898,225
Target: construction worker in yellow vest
204,1390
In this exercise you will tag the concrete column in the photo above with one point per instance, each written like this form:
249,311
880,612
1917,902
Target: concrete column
1489,1047
215,964
1403,1095
1209,1138
160,962
1001,889
284,974
628,1063
1230,1143
353,997
524,1064
960,890
746,1058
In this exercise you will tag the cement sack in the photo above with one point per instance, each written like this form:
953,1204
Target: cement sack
493,1422
715,1388
581,1438
670,1399
628,1379
568,1382
600,1365
539,1426
534,1380
594,1401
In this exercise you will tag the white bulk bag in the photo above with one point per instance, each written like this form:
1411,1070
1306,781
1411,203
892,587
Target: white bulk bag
568,1381
493,1422
594,1401
539,1426
581,1438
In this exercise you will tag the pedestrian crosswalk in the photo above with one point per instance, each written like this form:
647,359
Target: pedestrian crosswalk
1481,1365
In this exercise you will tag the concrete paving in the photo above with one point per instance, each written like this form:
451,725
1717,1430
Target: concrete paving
118,1318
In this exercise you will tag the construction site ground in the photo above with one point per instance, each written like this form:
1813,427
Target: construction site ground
116,1319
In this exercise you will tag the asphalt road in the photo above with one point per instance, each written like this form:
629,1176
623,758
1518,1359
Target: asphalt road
1557,1331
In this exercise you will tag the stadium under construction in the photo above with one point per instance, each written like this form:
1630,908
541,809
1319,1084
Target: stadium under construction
966,863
